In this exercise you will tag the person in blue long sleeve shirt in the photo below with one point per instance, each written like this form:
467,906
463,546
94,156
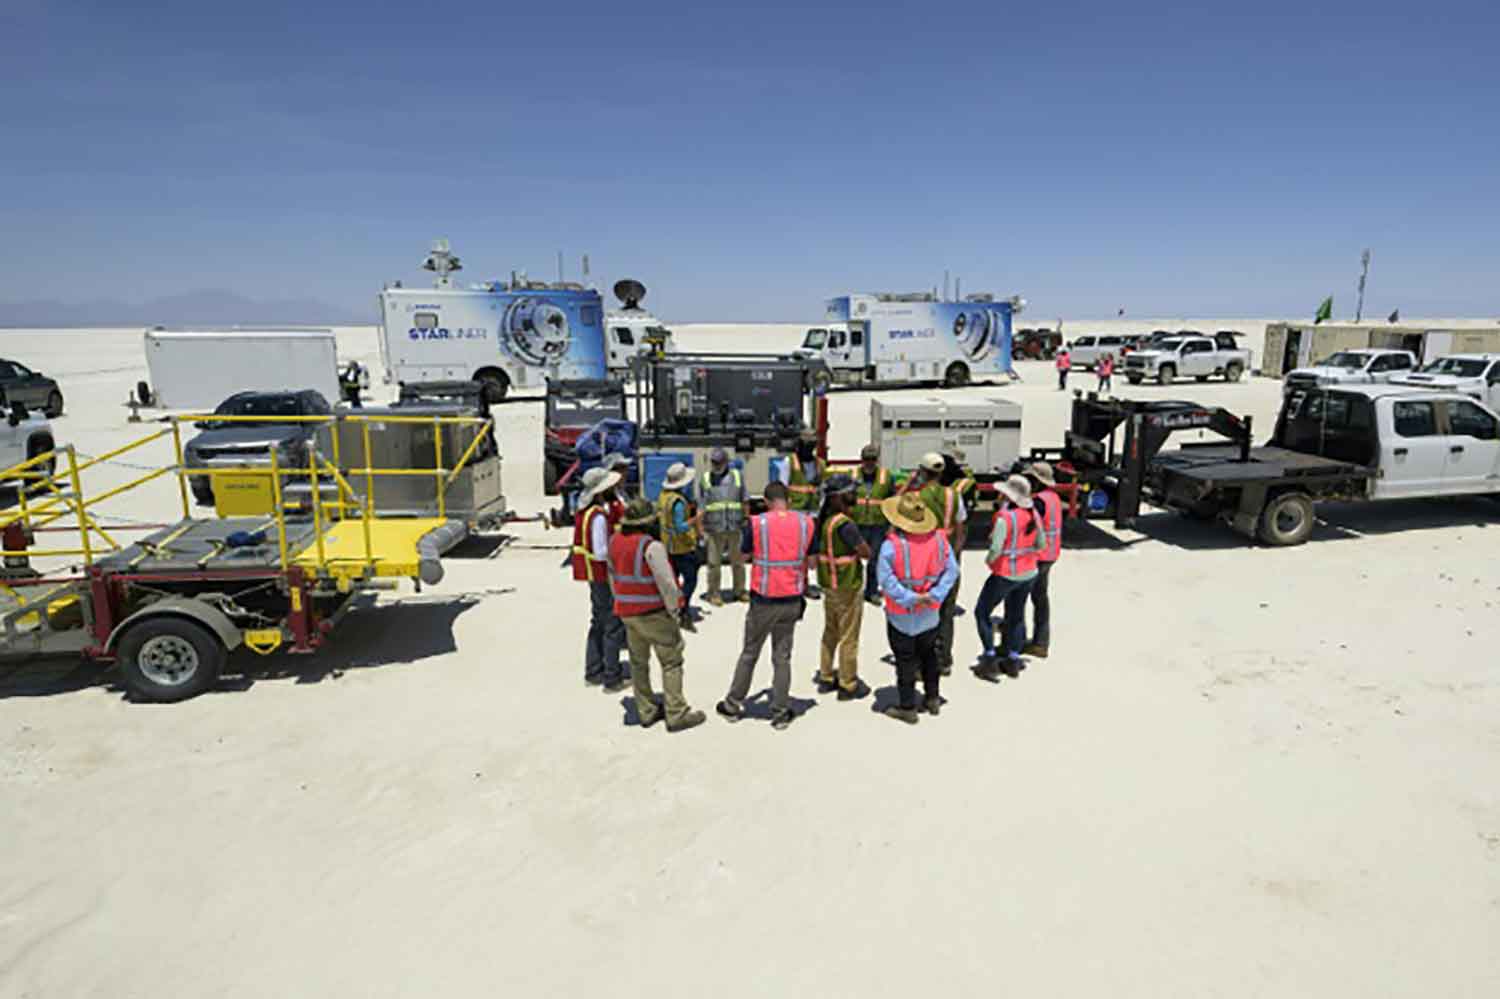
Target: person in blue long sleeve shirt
918,569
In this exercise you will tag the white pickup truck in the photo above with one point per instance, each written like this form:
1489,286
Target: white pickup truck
1476,375
24,434
1197,356
1353,367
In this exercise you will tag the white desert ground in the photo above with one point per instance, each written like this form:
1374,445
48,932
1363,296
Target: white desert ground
1243,772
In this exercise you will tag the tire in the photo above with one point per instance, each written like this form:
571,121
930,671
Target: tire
1134,379
1233,372
550,475
166,659
495,385
957,375
1165,374
1287,520
54,407
1200,378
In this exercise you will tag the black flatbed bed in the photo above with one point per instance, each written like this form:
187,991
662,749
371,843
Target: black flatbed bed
1220,463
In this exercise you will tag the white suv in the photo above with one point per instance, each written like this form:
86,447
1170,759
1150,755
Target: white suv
24,434
1087,350
1477,375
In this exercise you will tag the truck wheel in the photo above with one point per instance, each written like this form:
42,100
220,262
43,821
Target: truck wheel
54,406
1134,379
550,476
40,444
957,376
1233,372
1287,520
1165,374
165,659
494,384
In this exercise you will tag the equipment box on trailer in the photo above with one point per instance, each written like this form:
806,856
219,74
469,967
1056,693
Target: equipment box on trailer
983,432
198,369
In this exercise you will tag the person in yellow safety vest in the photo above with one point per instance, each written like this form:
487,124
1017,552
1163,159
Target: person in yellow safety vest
805,474
948,506
872,486
722,492
841,551
679,532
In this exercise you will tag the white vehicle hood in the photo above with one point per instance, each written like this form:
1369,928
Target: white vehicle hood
1322,371
1437,381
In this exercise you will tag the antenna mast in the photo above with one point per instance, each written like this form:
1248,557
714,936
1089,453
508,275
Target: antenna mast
1364,272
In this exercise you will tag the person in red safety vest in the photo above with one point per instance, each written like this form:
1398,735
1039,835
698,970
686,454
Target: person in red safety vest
1016,543
778,542
1049,507
593,525
1064,364
918,569
647,600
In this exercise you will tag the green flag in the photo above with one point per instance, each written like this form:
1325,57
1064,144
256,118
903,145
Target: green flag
1325,311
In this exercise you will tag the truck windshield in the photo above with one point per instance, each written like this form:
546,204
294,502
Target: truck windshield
1456,366
661,332
815,339
585,410
1168,345
260,405
1346,359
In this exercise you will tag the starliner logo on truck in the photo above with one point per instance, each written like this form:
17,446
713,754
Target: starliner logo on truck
443,333
922,334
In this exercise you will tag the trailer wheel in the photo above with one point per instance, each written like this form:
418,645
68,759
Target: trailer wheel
1232,372
1287,520
550,475
957,376
165,659
494,384
1165,374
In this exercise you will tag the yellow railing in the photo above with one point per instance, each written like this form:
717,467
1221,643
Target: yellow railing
58,474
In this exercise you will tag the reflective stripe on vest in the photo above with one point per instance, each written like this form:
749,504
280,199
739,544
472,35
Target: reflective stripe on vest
1018,557
946,513
716,502
870,495
677,542
833,568
804,493
779,556
630,579
919,566
1052,518
587,567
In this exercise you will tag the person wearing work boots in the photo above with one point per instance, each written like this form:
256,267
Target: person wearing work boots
679,532
918,569
1016,541
1050,512
722,490
805,471
598,512
841,553
646,598
948,506
872,485
777,542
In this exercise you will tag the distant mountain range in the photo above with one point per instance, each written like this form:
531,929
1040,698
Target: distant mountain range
194,308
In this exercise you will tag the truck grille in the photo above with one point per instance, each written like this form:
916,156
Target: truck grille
1135,362
1301,381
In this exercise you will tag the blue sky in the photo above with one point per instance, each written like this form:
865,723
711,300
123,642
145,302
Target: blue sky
747,162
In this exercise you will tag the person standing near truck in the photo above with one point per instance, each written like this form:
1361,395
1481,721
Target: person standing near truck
841,553
1106,372
872,487
646,598
1049,511
1064,364
679,532
918,569
1016,543
724,503
593,526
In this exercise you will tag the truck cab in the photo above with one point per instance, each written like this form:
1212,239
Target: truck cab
1352,367
1476,375
631,333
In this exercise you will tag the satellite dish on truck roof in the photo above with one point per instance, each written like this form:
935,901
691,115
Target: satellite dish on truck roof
630,292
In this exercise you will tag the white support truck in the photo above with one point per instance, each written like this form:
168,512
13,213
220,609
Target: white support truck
1352,367
198,369
896,339
1199,357
1476,375
516,334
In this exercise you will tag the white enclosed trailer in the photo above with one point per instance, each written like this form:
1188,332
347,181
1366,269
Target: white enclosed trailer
198,369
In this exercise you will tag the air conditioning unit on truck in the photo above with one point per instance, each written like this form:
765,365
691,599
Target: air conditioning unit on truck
899,339
515,334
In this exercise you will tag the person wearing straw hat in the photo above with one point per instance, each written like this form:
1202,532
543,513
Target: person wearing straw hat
918,569
646,598
947,505
722,491
1050,512
592,527
679,532
841,553
1016,543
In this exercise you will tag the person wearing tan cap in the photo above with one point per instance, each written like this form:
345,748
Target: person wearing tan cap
1050,512
1016,542
917,569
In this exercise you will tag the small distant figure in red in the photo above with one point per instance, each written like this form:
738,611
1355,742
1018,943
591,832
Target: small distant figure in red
1064,365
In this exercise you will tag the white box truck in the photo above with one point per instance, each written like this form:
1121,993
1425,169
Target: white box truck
510,335
198,369
901,339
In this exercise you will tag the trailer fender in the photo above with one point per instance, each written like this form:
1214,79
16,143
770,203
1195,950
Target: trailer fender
1245,519
207,615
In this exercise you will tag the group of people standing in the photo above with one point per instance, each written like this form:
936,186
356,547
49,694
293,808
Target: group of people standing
1104,369
862,538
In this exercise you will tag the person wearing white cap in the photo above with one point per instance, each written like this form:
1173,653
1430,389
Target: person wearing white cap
1016,542
598,511
679,532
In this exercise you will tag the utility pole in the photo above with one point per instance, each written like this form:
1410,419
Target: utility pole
1364,272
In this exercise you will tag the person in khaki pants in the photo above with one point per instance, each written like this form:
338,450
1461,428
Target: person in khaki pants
648,602
722,491
841,553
